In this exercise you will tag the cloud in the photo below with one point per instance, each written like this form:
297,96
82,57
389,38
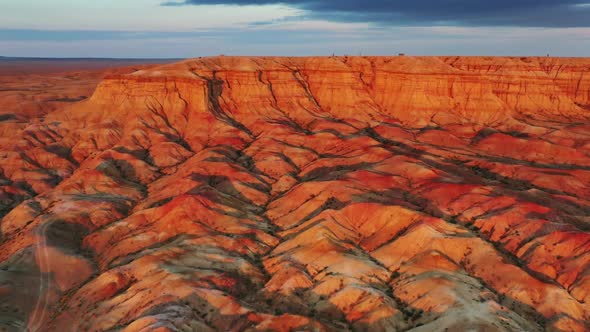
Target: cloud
515,13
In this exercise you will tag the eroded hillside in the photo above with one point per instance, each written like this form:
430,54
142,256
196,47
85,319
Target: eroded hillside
324,194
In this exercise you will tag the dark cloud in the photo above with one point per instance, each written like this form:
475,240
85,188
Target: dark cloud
523,13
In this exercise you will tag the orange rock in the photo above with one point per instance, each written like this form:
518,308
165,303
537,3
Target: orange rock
279,194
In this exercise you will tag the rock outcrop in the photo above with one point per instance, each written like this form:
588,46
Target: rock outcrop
320,194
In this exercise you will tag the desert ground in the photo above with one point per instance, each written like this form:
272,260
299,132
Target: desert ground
295,194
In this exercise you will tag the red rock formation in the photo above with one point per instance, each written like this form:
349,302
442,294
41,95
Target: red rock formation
328,194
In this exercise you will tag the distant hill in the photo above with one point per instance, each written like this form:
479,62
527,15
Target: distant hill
23,65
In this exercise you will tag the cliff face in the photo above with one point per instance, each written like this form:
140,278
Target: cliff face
457,89
342,193
415,91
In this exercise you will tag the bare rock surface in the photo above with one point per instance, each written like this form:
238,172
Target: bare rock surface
300,194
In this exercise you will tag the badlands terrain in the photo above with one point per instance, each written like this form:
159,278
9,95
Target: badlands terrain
297,194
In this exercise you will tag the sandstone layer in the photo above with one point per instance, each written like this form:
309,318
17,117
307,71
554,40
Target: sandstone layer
314,194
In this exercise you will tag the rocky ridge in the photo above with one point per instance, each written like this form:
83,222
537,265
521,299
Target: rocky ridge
328,194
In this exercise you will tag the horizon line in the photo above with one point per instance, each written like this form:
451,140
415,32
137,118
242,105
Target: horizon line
50,58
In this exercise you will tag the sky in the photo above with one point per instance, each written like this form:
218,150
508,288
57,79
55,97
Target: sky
191,28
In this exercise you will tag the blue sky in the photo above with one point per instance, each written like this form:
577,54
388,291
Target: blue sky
189,28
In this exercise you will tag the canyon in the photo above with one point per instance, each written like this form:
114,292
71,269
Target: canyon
297,194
